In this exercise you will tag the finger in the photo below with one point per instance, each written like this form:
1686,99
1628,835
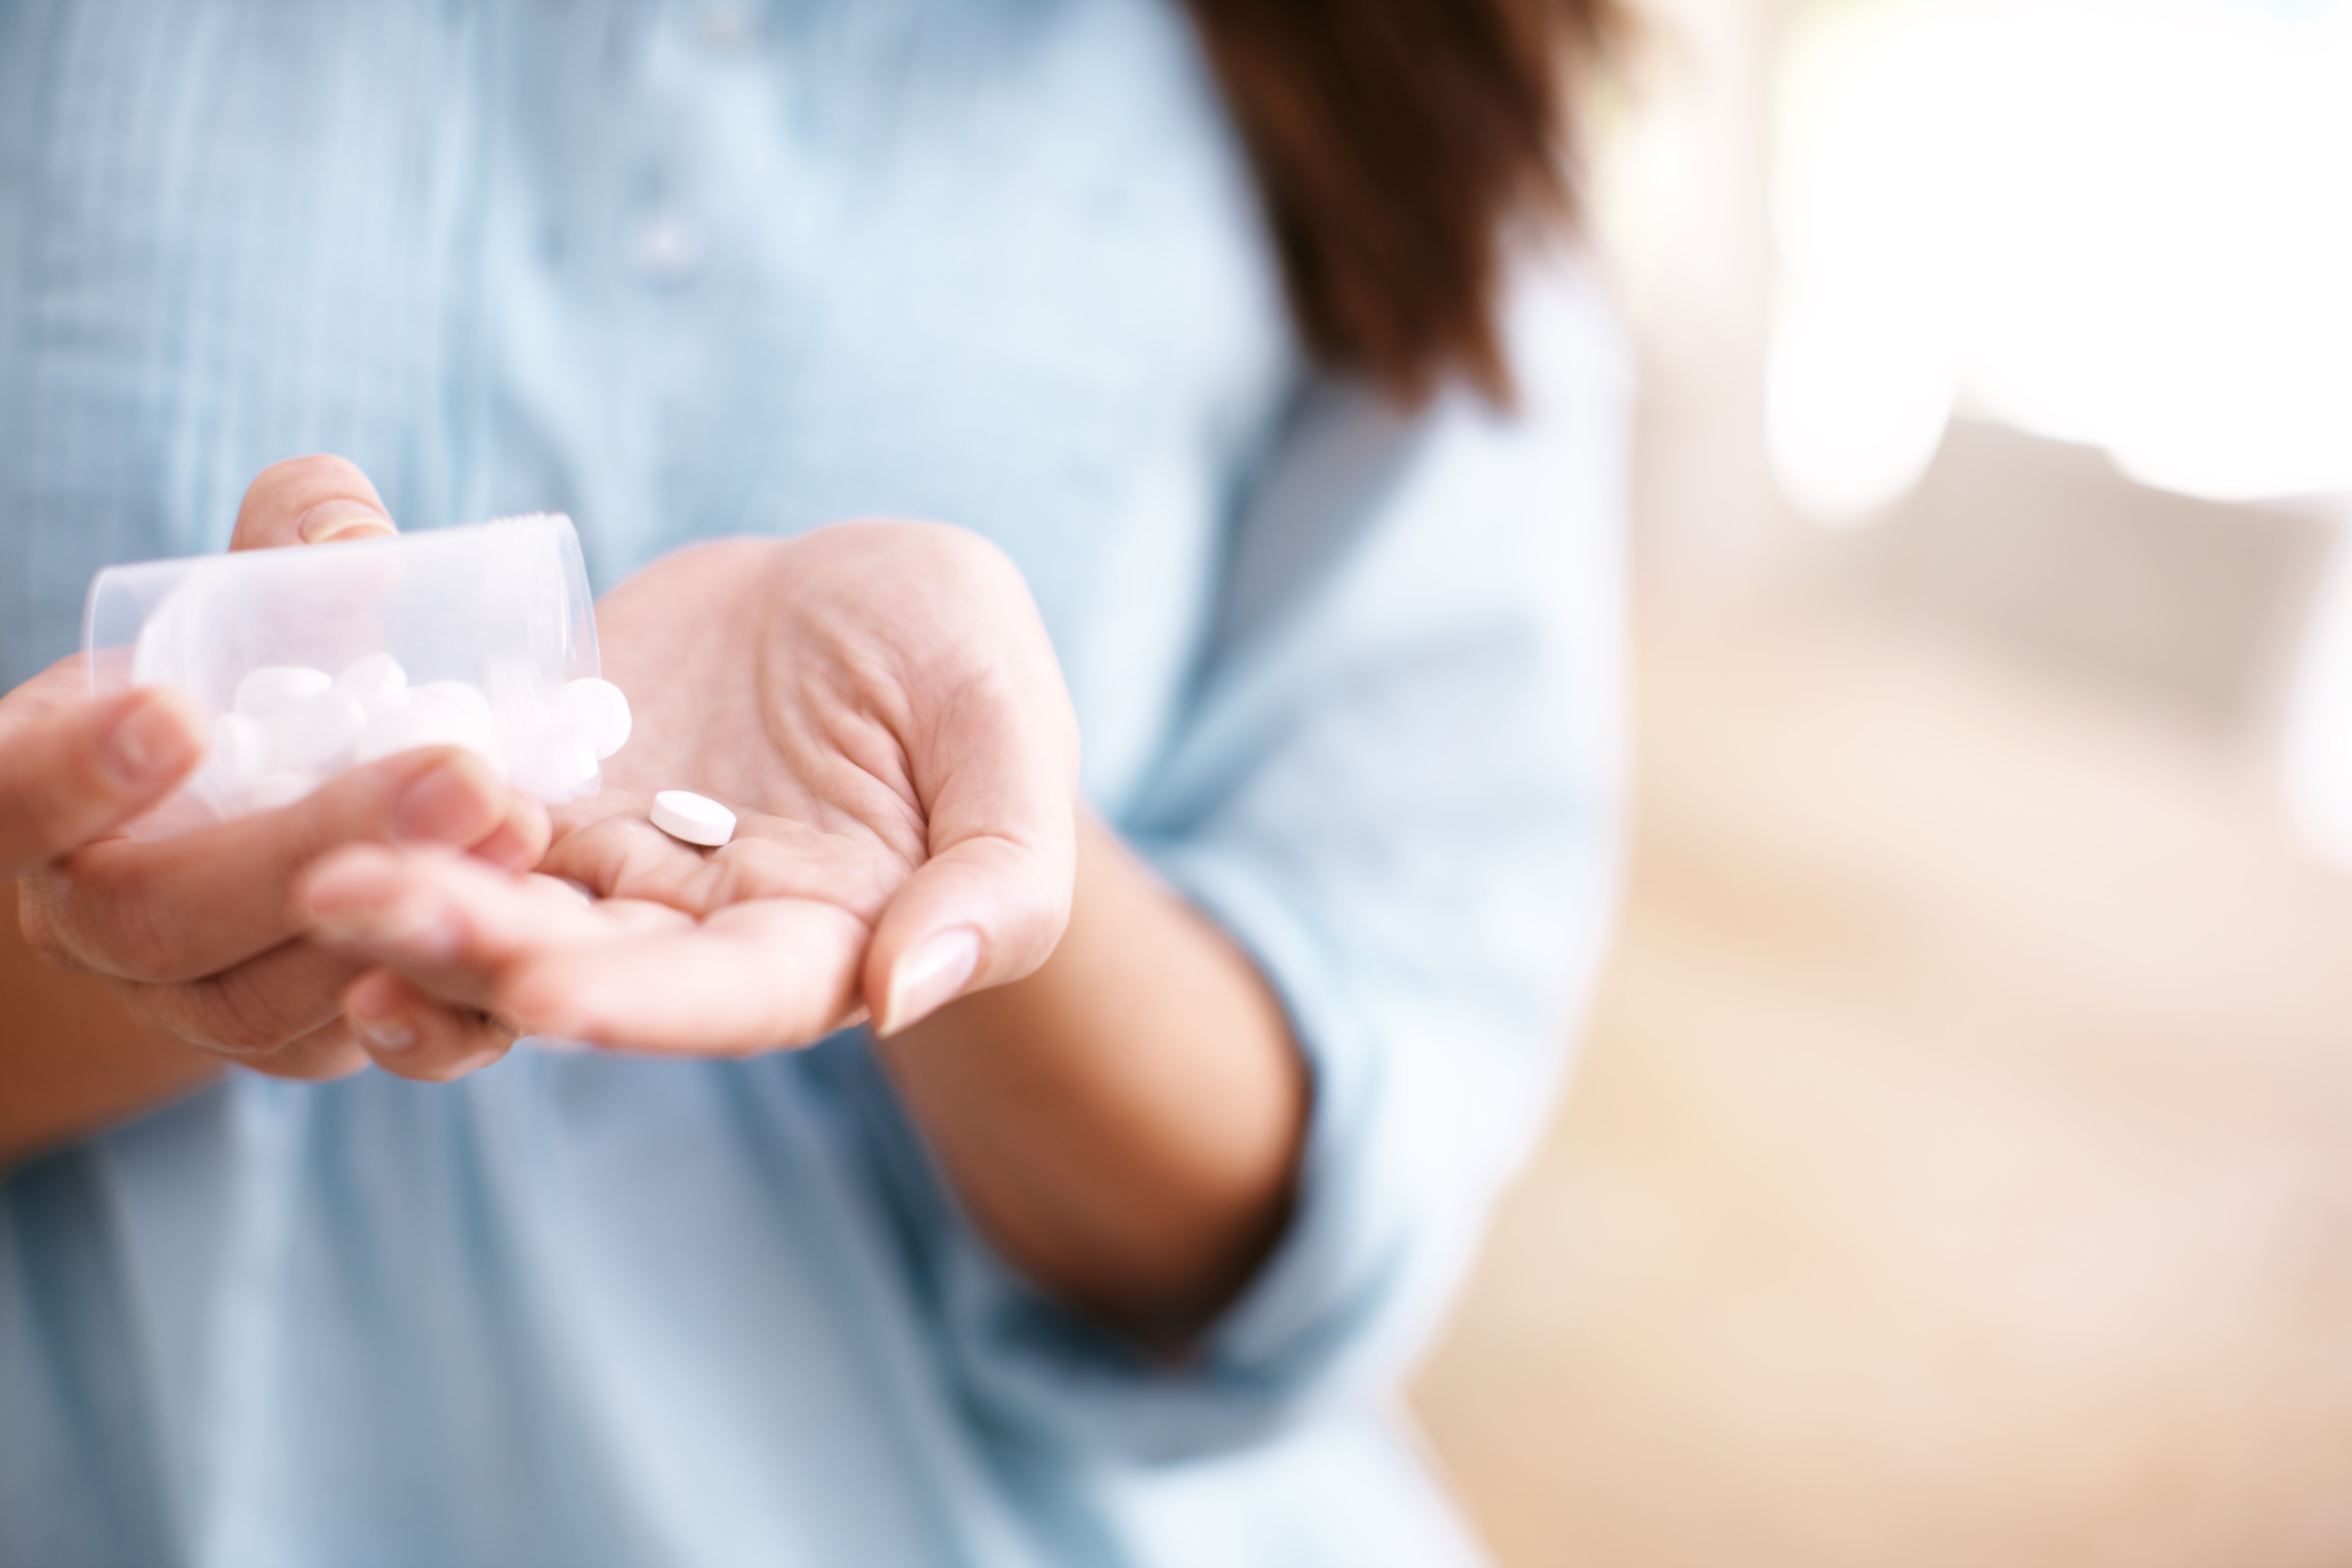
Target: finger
310,500
327,1052
411,1033
253,1011
985,911
194,905
69,777
753,977
454,928
992,899
520,840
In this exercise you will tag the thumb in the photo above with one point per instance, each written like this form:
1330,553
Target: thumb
77,773
310,500
981,912
990,901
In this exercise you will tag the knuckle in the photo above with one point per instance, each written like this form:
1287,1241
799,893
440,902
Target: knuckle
165,1007
36,918
244,1016
137,937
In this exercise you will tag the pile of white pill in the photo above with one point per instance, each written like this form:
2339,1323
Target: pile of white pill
292,727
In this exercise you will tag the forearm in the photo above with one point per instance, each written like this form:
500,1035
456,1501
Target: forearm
73,1061
1124,1124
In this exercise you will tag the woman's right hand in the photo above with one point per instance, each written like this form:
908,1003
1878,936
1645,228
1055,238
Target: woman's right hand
198,933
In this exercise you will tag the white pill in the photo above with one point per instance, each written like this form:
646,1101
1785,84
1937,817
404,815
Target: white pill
580,762
313,736
456,694
598,713
241,745
463,712
376,683
695,818
423,722
279,789
558,769
471,708
275,687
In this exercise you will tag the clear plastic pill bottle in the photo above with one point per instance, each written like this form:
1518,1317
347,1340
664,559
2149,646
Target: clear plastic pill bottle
312,659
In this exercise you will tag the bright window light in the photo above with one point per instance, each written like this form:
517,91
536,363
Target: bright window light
2126,223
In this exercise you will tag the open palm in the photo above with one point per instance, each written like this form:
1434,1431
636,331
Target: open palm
880,706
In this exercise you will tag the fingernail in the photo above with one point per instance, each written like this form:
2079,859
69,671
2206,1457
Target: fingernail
150,745
929,978
343,520
449,804
390,1032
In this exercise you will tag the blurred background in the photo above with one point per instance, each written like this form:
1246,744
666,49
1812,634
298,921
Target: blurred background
1959,1169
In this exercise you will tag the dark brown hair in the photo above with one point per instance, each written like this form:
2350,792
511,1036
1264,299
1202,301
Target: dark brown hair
1394,142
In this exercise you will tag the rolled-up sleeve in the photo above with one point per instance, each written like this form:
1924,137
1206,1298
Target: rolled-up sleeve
1398,786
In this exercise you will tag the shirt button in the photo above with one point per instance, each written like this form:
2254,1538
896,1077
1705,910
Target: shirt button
666,249
726,26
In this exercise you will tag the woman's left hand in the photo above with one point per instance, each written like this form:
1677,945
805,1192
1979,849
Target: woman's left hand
879,704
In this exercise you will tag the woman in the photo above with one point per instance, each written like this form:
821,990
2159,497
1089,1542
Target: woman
1202,1058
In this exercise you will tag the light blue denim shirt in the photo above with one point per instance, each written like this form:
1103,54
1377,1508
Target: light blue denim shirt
1350,678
